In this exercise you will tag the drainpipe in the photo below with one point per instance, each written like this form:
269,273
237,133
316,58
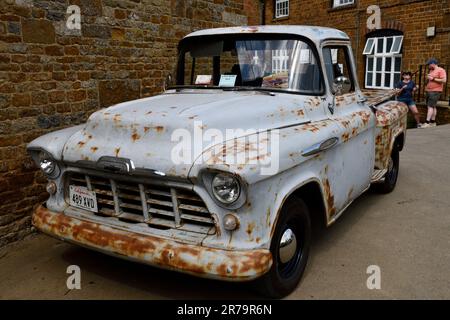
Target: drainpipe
358,21
263,11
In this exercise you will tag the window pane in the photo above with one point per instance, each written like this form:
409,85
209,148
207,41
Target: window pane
369,46
338,3
334,55
396,77
389,44
387,80
388,64
379,64
370,64
282,8
398,63
378,80
380,45
397,44
369,78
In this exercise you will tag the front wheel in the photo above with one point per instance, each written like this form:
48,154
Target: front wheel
390,178
290,250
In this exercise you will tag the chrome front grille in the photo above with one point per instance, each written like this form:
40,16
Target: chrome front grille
158,206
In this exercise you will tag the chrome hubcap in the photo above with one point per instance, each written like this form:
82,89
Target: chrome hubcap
288,246
391,164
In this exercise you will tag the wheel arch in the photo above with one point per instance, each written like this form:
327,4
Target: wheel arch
311,192
399,141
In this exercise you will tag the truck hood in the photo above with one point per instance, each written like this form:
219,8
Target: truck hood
147,130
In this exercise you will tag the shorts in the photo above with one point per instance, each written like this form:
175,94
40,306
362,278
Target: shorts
433,98
408,101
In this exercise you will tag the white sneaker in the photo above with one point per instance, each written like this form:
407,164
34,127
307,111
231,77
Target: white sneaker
432,124
419,125
425,125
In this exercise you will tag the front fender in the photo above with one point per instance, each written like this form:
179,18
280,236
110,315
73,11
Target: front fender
54,142
265,154
265,198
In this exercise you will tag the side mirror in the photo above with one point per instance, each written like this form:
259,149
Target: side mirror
168,81
341,85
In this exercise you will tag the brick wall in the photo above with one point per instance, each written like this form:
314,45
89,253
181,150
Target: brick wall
52,76
443,114
409,16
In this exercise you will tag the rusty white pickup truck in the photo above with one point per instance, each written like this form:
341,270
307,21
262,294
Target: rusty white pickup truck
264,130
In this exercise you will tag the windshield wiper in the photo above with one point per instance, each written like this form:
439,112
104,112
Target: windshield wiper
262,90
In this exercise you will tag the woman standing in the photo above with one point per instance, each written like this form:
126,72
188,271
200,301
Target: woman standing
405,95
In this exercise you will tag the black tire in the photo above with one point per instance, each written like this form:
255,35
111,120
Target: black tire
283,278
390,178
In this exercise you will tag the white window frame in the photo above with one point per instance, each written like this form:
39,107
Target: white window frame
369,46
281,8
280,59
371,52
340,3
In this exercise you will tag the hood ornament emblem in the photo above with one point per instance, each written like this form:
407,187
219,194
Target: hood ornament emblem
116,165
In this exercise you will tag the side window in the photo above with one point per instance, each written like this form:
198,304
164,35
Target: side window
337,64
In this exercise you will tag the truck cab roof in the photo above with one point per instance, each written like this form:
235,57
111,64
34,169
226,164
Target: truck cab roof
316,34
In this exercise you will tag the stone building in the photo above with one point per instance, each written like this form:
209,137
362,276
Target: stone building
387,35
61,60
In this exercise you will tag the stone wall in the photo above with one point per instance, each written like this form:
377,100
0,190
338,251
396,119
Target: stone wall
53,75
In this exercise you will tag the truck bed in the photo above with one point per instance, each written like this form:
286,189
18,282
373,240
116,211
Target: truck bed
377,96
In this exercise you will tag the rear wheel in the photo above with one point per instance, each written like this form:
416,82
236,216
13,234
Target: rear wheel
390,178
290,250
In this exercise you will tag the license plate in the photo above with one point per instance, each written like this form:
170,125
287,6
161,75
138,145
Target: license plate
83,198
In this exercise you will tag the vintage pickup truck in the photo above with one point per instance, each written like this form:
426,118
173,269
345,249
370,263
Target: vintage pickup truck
265,130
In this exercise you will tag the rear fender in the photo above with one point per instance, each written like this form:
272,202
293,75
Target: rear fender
391,124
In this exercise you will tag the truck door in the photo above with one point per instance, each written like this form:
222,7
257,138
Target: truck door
352,162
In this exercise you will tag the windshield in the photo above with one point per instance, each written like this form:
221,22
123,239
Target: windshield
272,64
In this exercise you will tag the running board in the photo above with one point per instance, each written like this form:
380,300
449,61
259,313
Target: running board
378,175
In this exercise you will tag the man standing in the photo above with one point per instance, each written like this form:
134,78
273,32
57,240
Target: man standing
436,81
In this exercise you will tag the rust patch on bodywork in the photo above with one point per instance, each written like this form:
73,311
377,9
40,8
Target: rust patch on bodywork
329,197
250,228
94,149
135,136
365,116
268,217
197,260
313,127
313,102
345,136
116,151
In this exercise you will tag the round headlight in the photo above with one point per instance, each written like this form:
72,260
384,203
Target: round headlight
226,188
47,164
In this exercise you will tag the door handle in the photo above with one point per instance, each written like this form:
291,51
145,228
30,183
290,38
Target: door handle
319,147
